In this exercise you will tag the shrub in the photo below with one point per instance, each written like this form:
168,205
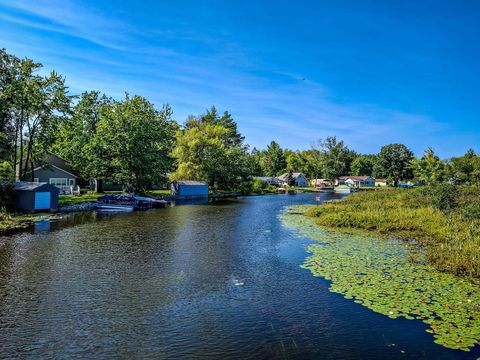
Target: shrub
6,172
6,195
442,196
472,211
259,185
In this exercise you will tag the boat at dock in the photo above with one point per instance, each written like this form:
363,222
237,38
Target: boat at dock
342,189
325,189
113,207
128,203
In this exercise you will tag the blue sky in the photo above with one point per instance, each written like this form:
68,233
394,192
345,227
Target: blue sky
375,72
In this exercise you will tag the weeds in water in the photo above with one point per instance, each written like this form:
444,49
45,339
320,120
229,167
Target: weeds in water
391,277
444,218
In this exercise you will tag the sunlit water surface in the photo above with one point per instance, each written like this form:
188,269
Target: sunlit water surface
198,281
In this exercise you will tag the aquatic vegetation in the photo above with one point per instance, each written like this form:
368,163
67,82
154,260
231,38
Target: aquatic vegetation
391,277
445,220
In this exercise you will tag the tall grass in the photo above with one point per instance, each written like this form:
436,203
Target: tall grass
444,218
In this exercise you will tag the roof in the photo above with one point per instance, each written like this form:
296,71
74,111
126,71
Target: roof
29,186
295,175
266,178
359,178
54,161
191,182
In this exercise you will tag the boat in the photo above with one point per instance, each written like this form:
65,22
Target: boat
342,189
113,207
325,189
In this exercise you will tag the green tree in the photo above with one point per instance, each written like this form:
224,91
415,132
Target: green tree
31,107
394,163
132,144
9,69
295,161
464,169
206,151
336,159
362,165
429,169
274,160
6,172
76,134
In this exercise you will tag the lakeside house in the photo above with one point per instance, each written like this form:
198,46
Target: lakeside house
381,182
35,196
53,170
300,179
341,180
360,181
189,188
270,180
321,182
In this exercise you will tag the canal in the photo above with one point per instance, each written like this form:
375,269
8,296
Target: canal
200,281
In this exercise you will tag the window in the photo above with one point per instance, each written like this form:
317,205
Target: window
58,181
36,180
71,181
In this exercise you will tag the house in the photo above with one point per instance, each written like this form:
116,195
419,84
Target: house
321,182
300,179
360,181
189,188
54,171
34,196
341,180
381,182
270,180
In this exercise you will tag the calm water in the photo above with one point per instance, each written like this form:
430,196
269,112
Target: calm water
167,284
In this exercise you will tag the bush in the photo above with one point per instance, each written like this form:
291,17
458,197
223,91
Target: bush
259,185
443,196
6,172
6,195
472,211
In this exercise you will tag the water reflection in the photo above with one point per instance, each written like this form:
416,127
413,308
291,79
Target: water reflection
165,284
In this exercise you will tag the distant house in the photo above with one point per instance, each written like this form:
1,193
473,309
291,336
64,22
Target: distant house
189,188
34,196
359,181
270,180
381,182
300,179
341,180
54,171
321,182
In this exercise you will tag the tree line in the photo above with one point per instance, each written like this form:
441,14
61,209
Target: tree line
130,142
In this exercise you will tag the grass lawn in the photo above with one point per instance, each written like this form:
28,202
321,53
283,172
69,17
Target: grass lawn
158,192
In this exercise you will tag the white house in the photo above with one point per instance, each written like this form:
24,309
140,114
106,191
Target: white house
300,179
357,181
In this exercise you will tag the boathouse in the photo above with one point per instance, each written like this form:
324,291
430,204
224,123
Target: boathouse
189,188
32,196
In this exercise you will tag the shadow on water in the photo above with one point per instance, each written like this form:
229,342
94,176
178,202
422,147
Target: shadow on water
217,280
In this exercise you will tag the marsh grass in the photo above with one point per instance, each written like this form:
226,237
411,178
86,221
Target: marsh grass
444,218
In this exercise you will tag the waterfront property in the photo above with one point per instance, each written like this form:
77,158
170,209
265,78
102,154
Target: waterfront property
55,171
321,182
300,179
270,180
381,182
359,181
189,188
32,196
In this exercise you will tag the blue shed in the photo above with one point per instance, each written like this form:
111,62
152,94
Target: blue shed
31,196
189,188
